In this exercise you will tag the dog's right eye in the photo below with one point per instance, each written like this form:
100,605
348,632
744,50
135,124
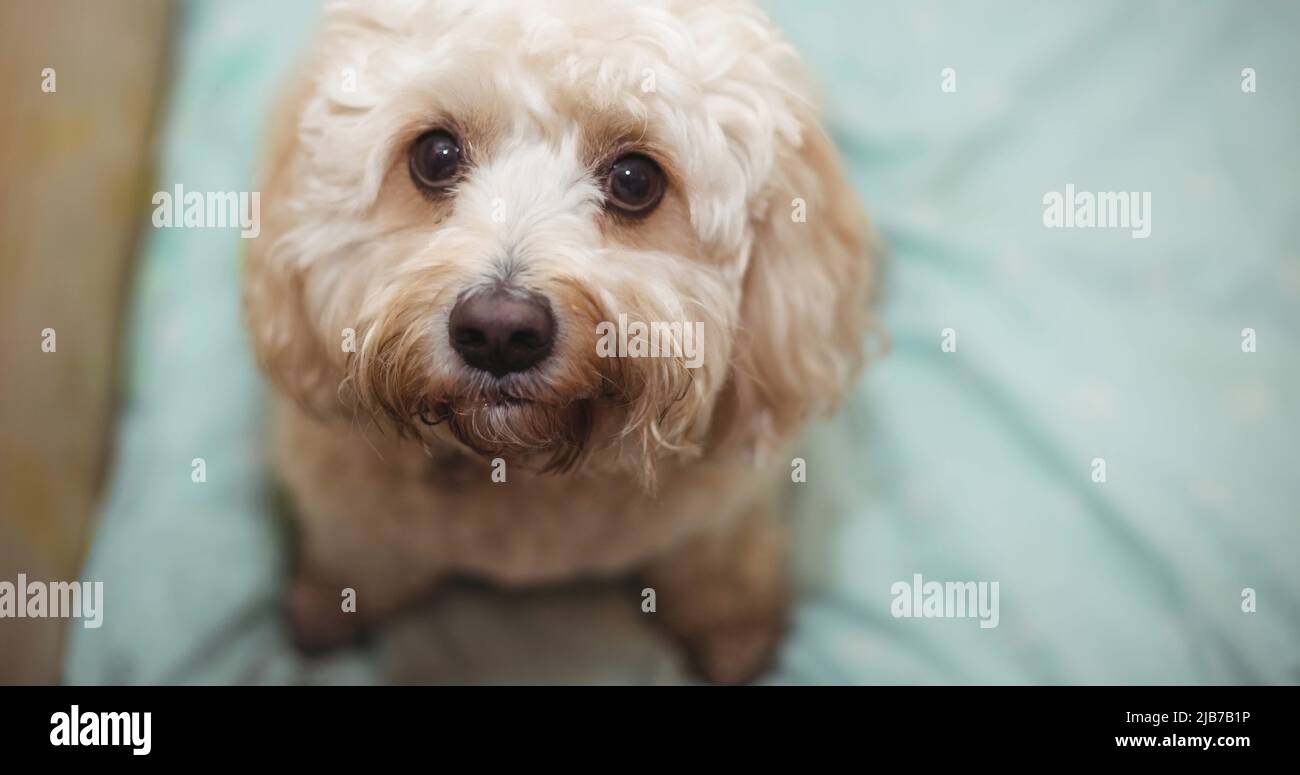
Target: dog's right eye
635,185
435,160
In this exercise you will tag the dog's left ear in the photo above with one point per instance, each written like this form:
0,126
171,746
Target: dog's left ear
804,312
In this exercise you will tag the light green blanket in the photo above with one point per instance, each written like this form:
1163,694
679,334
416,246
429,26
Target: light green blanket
1071,346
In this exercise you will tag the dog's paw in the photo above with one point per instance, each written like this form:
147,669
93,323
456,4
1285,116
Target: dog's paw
736,652
317,619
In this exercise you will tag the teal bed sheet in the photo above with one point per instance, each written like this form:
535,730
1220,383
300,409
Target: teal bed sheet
973,465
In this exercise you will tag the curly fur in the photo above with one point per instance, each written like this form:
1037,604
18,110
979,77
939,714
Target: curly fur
616,465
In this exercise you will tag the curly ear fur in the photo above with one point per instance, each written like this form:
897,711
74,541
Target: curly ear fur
804,312
283,336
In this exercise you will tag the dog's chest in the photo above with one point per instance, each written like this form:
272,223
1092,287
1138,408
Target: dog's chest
522,527
465,515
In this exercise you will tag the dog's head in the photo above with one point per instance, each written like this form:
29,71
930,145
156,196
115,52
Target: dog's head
566,231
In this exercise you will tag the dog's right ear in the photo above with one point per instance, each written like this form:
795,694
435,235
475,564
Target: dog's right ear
804,316
284,338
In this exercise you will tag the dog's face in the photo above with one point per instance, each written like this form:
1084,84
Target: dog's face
472,204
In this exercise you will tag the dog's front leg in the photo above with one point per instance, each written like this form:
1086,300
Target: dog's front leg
725,593
333,602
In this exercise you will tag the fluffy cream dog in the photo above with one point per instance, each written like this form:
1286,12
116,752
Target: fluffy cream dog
461,192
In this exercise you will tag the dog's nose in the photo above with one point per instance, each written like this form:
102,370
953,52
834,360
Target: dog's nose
501,332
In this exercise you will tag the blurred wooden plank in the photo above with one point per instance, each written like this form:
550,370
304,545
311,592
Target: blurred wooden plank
74,194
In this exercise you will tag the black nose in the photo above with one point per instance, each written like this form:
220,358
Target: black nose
502,332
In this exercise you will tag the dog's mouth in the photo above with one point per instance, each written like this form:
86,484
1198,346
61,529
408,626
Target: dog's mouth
434,412
554,433
507,401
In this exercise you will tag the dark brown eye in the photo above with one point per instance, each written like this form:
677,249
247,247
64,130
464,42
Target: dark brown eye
435,160
635,185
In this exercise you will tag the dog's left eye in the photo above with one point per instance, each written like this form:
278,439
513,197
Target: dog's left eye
635,185
435,160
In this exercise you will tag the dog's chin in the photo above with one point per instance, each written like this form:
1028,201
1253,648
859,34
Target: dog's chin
551,436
